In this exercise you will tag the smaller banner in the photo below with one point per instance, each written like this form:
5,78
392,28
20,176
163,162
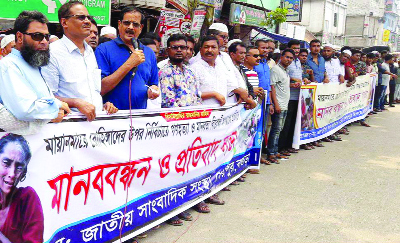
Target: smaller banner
10,9
294,8
172,22
207,2
241,14
182,5
325,108
218,9
198,20
386,36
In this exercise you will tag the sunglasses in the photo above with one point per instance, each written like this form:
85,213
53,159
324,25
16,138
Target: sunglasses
175,48
128,23
80,17
255,56
38,36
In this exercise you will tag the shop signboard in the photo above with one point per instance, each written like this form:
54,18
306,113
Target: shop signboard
386,35
100,9
294,10
241,14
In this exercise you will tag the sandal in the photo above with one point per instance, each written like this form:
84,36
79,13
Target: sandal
273,159
284,153
142,236
185,216
235,183
293,151
202,207
264,161
279,156
317,144
305,147
240,179
226,189
327,140
362,123
244,176
214,199
254,171
175,221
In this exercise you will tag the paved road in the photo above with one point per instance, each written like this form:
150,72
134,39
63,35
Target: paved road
348,191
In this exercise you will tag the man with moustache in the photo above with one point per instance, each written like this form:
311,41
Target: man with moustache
118,59
72,74
220,31
23,90
317,62
93,38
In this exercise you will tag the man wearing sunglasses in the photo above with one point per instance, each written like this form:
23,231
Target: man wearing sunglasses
23,91
118,59
73,74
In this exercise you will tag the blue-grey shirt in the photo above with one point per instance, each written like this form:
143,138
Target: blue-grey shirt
263,73
23,90
113,54
319,70
295,71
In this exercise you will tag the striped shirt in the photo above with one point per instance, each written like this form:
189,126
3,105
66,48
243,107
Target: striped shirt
252,76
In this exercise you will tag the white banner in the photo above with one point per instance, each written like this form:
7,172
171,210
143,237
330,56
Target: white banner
325,108
116,174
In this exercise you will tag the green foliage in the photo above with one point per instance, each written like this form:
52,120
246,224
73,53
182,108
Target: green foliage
275,17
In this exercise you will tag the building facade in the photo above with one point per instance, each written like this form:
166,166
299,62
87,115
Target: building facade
365,23
325,19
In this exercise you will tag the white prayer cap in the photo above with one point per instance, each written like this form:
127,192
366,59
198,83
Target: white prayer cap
7,40
375,52
233,41
347,52
277,51
329,45
108,30
220,27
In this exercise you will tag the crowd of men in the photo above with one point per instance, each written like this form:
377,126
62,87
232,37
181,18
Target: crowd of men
82,71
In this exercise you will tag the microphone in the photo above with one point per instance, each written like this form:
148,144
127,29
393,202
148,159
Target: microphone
135,43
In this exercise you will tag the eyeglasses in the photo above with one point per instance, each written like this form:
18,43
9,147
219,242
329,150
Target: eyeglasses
255,55
38,36
80,17
175,48
128,23
224,37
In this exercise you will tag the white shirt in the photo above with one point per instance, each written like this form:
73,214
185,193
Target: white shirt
71,74
212,79
162,63
385,77
333,70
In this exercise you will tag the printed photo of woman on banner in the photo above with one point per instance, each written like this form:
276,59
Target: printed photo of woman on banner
21,214
307,109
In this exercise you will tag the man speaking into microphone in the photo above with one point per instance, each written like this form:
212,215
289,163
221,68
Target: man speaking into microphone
121,63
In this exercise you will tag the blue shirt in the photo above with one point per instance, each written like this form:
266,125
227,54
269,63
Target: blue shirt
295,71
319,70
113,54
262,70
23,90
